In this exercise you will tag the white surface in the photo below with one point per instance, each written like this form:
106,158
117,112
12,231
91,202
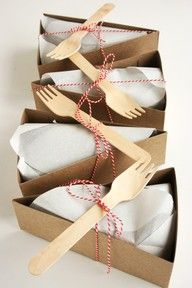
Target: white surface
19,28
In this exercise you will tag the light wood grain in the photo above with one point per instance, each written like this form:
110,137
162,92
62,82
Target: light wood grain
63,106
73,43
116,99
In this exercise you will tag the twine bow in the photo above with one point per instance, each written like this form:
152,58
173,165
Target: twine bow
95,197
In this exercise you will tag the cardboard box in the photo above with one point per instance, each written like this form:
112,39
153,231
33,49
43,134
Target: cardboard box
126,49
125,256
155,145
155,117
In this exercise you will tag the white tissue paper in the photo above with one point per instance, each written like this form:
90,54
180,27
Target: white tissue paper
43,148
89,43
146,93
147,220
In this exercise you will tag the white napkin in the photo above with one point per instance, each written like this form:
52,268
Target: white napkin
147,94
43,148
147,220
89,43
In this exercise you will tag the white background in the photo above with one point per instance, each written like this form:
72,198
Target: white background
19,24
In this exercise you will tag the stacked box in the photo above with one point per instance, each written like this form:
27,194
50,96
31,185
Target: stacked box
140,52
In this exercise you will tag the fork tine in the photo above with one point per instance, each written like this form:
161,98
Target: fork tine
151,173
54,51
45,95
137,164
55,91
143,164
51,53
136,112
148,169
140,109
51,94
58,57
59,50
127,115
132,114
53,57
42,97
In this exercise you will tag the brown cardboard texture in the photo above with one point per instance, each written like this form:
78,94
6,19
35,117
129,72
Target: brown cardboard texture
125,256
155,117
143,44
155,145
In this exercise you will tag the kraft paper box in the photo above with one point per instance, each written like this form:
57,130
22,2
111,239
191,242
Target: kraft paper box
125,256
143,44
155,145
152,118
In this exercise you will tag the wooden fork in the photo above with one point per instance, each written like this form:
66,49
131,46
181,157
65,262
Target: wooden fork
124,188
63,106
116,99
72,44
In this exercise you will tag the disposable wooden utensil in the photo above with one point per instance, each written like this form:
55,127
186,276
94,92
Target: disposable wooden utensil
119,101
63,106
116,99
72,44
124,188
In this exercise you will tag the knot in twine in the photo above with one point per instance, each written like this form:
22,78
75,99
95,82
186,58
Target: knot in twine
95,197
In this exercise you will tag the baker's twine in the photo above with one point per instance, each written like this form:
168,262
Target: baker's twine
100,142
94,27
95,197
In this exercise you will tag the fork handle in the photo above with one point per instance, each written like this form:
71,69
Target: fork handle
124,145
94,19
89,70
66,240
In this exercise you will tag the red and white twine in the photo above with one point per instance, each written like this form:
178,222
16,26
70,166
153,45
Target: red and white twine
95,27
129,81
95,197
100,141
99,138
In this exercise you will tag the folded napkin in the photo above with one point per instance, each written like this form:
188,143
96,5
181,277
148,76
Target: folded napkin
89,42
43,148
146,93
147,220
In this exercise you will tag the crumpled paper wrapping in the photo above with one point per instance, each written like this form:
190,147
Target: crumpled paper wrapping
148,220
146,93
43,148
89,43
